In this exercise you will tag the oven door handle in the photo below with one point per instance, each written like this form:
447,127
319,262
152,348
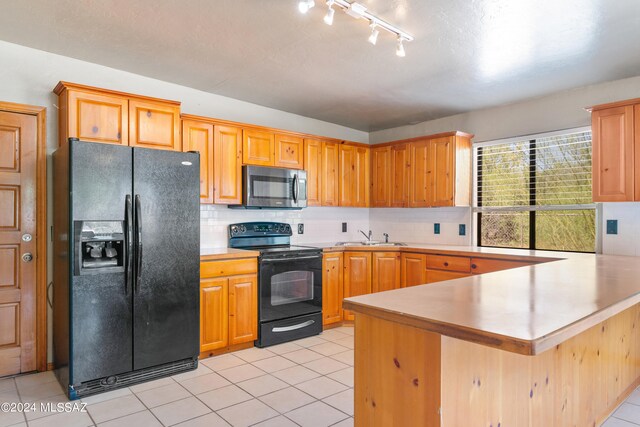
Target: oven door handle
293,327
291,259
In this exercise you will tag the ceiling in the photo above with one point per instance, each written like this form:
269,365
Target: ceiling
467,54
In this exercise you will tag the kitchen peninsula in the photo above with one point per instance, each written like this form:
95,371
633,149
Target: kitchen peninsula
551,344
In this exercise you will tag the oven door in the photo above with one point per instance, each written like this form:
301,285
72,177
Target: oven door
274,187
290,286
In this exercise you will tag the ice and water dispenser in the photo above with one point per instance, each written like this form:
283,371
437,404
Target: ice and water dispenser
100,247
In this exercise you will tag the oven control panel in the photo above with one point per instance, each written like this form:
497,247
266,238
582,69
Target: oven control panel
259,229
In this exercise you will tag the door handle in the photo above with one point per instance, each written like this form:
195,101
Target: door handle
295,188
293,327
138,249
129,267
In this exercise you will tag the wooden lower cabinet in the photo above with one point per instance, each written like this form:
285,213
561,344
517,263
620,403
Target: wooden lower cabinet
228,304
214,313
442,275
243,309
488,265
413,270
357,276
332,288
385,274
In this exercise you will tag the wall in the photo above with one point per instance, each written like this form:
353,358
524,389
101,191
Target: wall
562,110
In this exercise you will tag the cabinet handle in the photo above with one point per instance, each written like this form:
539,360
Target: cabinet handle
446,264
474,266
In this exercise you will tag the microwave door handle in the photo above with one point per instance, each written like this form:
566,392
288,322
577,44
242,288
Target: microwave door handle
295,188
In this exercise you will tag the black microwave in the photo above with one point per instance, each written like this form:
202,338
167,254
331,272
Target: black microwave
273,188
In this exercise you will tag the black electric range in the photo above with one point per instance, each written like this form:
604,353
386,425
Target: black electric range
289,281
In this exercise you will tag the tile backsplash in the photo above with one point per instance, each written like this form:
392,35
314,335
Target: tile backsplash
324,224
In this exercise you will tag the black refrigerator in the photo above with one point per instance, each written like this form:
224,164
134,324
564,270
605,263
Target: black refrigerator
126,234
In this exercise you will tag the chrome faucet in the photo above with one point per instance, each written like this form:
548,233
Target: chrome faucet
365,234
386,237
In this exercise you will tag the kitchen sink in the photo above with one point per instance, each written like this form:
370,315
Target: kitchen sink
370,243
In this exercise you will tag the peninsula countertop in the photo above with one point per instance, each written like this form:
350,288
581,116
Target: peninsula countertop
525,310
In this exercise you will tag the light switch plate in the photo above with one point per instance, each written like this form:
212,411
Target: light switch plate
612,226
462,229
300,228
436,228
344,227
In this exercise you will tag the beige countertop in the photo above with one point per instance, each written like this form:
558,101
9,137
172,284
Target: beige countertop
525,310
213,254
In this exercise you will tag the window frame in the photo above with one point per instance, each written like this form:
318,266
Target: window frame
477,208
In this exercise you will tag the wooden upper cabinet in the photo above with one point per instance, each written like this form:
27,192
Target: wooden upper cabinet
198,136
332,288
154,125
385,274
357,276
381,172
227,165
243,309
96,117
354,176
214,313
313,167
413,269
441,153
613,154
330,173
258,148
400,175
420,175
636,114
289,151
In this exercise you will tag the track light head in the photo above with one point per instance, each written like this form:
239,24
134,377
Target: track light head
400,48
305,5
328,18
373,38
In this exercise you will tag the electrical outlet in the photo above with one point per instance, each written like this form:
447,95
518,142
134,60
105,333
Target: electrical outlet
344,227
436,228
462,229
300,228
612,226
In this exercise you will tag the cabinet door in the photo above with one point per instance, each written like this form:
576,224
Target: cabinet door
258,148
361,171
347,179
419,174
613,175
440,276
386,271
357,276
330,170
313,166
381,172
486,265
243,309
154,125
442,171
332,291
400,175
636,114
214,315
198,136
413,270
289,151
95,117
227,165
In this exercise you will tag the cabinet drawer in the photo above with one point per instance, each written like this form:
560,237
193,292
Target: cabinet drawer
228,267
449,263
441,275
486,265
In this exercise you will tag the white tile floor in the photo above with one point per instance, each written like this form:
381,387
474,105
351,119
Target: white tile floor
305,383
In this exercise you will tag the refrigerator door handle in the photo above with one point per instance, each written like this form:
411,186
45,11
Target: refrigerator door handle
138,233
129,261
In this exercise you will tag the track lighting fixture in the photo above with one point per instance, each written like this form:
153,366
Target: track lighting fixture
400,48
373,38
328,18
305,5
357,11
